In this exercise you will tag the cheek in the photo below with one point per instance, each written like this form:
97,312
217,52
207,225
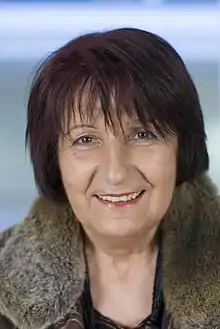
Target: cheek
161,173
164,169
76,173
159,166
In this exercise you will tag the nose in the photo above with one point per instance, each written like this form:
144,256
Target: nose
115,164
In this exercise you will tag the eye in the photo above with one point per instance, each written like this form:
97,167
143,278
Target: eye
145,135
85,140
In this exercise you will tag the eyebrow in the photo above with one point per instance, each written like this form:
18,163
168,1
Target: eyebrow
78,126
83,125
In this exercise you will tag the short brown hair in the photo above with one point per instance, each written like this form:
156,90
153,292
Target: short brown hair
149,80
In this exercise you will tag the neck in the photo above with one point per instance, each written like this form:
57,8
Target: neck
122,250
119,274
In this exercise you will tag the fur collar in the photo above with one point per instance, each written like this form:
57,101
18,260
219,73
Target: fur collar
42,267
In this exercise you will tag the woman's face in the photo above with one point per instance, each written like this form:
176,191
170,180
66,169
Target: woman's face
118,184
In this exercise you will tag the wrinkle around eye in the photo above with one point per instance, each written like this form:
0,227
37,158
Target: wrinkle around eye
85,140
149,136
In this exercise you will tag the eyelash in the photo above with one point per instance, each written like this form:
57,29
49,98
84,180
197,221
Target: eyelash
150,136
80,139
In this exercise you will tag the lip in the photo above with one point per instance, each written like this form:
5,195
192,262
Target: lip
117,194
120,204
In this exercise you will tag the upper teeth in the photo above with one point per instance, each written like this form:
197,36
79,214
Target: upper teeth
128,197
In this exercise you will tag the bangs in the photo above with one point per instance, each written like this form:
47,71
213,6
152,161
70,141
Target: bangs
113,86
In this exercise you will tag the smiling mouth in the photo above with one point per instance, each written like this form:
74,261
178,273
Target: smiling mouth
126,198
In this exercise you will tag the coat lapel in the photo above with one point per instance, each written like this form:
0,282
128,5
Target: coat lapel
191,267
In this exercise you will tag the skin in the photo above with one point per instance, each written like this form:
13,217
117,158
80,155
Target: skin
121,240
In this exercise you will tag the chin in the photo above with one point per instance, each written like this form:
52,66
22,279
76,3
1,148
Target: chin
120,232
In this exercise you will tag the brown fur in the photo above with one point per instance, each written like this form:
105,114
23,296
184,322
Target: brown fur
42,267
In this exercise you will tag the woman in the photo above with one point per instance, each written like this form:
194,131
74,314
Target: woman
125,233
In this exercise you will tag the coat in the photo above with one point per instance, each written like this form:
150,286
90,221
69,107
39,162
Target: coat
42,265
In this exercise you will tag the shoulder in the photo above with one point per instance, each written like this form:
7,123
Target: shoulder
5,236
13,249
41,266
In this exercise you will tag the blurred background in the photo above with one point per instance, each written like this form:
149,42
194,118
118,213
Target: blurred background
30,30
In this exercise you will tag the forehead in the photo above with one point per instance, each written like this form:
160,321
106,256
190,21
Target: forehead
98,115
97,118
112,113
91,105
